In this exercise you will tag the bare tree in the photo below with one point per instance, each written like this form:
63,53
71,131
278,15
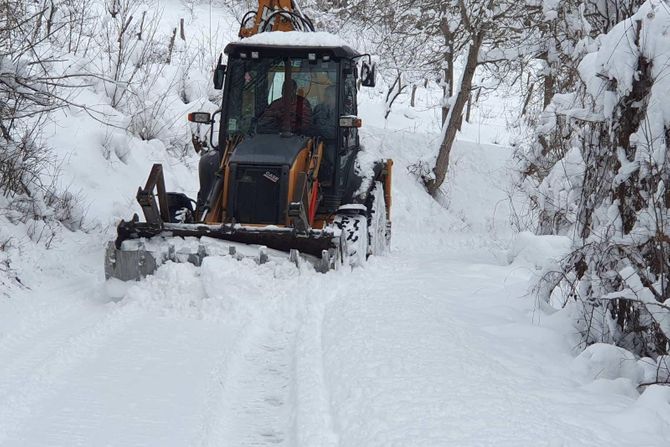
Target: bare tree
411,40
29,90
128,43
420,40
493,31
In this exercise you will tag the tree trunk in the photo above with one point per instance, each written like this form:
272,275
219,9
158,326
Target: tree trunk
448,89
548,81
455,116
171,45
392,94
548,89
529,96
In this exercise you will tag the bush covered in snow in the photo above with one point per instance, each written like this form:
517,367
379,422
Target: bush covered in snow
608,186
116,72
30,88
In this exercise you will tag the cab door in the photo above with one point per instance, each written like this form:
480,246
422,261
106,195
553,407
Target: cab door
349,140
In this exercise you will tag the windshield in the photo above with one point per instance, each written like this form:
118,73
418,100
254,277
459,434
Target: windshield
282,95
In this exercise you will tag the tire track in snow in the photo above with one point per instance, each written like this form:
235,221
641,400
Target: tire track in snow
256,392
25,353
219,381
44,380
42,317
266,387
314,421
270,386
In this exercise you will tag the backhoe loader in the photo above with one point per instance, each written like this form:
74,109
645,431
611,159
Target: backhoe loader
282,176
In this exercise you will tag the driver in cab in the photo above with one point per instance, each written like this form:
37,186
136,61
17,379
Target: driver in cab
290,113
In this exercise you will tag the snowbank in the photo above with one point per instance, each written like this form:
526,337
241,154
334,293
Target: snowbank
540,252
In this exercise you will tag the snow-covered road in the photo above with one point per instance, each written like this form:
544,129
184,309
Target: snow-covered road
436,344
410,350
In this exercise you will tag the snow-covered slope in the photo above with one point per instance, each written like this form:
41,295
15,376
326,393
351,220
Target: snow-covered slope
438,343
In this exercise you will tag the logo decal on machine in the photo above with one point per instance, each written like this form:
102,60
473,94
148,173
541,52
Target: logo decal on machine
270,176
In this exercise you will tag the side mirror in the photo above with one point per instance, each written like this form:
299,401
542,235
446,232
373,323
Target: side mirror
200,117
368,74
219,74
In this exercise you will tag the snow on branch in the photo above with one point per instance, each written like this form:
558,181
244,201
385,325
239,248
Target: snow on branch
615,203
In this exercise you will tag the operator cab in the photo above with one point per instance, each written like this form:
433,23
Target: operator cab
288,133
295,91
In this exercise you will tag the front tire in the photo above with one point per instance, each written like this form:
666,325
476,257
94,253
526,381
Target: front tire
354,226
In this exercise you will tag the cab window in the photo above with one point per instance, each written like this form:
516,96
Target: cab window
255,84
349,106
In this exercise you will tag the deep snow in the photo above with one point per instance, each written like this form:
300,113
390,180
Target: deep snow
439,343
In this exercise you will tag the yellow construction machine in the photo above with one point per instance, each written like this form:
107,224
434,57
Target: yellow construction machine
283,175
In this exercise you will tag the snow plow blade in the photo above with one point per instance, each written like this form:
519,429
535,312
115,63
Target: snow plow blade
141,247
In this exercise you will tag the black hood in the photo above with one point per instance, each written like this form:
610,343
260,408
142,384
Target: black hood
268,149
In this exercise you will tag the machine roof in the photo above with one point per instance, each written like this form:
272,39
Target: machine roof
295,40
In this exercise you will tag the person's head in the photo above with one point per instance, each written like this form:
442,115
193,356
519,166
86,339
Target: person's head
289,89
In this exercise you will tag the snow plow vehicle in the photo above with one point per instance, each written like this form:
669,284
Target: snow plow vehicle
284,175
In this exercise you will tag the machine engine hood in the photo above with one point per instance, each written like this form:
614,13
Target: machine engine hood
268,149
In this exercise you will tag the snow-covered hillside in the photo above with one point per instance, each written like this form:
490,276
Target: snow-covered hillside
439,343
